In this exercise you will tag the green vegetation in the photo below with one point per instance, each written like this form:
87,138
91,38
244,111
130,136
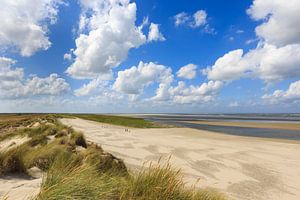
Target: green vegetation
76,169
118,120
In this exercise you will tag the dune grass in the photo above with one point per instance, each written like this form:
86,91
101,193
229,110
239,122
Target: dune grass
78,139
89,172
68,178
118,120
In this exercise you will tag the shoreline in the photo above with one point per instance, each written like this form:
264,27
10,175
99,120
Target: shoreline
268,125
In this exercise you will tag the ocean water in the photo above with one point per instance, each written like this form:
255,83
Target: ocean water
180,120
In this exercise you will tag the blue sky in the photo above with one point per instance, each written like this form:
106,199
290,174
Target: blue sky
203,56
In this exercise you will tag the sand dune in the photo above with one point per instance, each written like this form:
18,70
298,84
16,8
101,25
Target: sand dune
243,168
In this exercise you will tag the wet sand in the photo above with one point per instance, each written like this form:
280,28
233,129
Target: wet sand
242,167
280,126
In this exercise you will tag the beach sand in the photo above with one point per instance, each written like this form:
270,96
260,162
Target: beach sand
242,167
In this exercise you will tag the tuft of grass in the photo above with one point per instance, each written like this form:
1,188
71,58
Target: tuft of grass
78,139
12,162
68,178
79,182
104,162
44,156
38,140
161,181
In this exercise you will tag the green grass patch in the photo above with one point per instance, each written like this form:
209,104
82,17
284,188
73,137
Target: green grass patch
118,120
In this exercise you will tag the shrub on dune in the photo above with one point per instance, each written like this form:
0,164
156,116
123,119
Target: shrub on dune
11,161
78,139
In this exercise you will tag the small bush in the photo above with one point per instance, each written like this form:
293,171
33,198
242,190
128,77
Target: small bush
11,161
61,133
38,140
43,156
78,139
104,162
155,182
52,131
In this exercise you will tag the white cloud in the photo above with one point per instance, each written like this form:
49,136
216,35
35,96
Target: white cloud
199,18
97,85
181,18
234,104
111,33
10,79
229,67
277,56
23,24
67,56
135,79
196,20
52,85
182,94
188,71
206,92
280,20
154,33
14,85
268,63
291,95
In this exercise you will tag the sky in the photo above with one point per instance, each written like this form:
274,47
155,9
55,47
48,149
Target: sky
154,56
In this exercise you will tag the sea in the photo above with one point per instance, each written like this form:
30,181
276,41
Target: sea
180,120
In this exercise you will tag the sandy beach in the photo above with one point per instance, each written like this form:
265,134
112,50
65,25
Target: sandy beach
241,167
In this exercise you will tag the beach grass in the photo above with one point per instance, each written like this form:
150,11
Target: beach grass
76,169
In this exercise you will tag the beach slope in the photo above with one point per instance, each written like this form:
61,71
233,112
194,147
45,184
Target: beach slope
242,167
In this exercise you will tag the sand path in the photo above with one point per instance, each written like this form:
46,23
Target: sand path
244,168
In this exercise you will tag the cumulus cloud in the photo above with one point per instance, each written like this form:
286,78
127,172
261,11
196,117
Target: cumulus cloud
280,21
268,63
108,32
229,67
24,24
205,92
188,71
15,85
135,79
52,85
291,95
97,85
154,33
277,56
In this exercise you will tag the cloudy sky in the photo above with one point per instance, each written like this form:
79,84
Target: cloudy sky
196,56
